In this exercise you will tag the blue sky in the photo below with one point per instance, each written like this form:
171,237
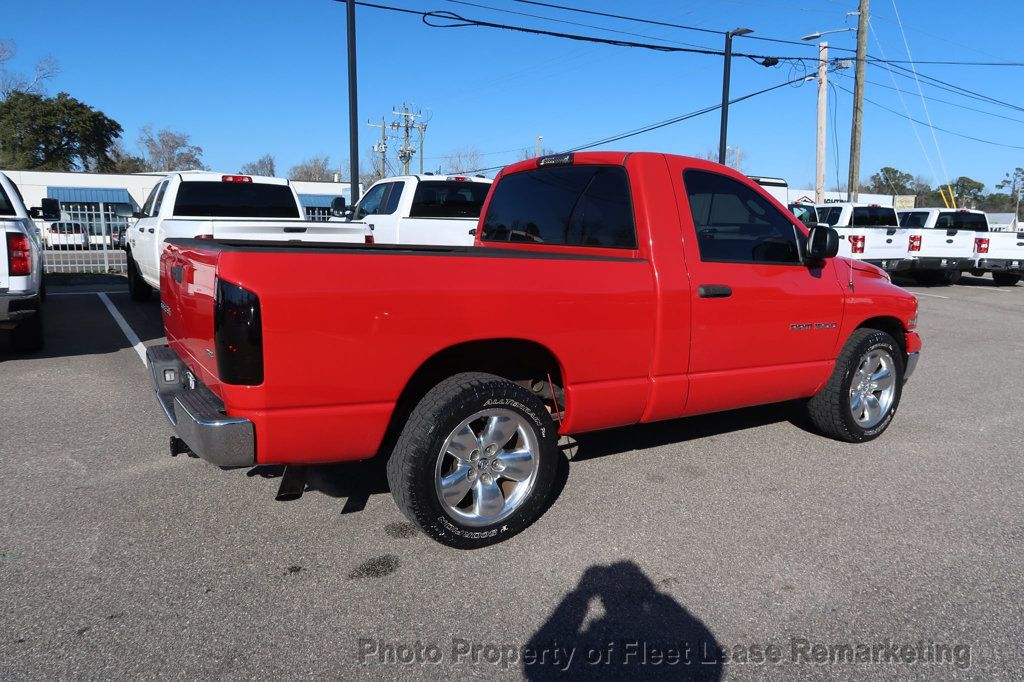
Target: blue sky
255,77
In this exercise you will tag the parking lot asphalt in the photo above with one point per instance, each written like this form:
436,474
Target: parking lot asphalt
730,531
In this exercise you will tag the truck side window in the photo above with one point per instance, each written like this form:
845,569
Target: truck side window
147,208
585,205
159,198
370,203
830,216
913,219
735,224
394,197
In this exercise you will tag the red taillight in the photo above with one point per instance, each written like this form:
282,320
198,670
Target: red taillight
915,242
19,255
368,239
981,245
204,236
857,243
235,178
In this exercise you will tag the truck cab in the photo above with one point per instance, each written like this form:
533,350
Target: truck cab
423,209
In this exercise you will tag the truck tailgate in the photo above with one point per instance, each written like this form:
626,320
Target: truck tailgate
1004,246
187,290
888,243
939,243
270,230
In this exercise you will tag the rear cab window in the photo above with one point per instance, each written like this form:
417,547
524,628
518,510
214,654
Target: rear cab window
448,199
874,216
211,199
962,220
586,205
913,219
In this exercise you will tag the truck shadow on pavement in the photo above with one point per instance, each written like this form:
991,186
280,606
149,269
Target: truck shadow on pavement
616,624
357,481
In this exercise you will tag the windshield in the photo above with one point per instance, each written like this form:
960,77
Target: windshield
874,216
448,199
235,200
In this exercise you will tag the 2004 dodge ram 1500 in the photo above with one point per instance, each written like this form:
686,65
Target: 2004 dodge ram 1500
605,289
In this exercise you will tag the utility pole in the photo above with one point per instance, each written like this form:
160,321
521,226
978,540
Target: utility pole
382,146
725,90
858,102
819,158
540,138
422,128
353,100
406,124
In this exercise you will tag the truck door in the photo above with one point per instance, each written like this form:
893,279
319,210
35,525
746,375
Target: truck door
142,235
764,324
373,210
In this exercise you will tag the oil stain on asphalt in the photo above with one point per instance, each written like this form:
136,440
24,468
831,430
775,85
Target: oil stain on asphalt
378,567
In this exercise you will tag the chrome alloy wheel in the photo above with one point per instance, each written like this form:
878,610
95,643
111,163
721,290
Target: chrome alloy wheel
873,388
487,467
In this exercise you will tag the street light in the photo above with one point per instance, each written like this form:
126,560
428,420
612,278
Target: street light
725,89
815,36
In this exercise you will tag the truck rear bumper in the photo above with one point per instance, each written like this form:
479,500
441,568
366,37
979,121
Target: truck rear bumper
939,263
890,264
197,414
913,346
1000,265
15,307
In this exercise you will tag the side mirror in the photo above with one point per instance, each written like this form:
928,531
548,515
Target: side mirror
125,211
49,210
822,243
339,207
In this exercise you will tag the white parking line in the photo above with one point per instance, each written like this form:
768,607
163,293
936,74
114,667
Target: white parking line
123,324
921,293
991,289
84,293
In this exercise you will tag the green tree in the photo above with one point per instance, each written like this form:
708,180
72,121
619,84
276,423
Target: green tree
967,191
54,133
889,180
1014,182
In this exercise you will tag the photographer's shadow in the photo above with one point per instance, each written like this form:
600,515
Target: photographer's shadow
620,626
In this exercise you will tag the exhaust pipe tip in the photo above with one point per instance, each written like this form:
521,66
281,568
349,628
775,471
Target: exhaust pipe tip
293,484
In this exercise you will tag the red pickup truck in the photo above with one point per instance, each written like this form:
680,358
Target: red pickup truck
604,289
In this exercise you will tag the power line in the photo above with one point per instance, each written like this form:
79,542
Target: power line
944,130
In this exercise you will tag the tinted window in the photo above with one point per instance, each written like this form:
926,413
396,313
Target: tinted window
830,215
962,221
913,219
874,216
394,197
370,204
448,199
6,207
159,201
575,205
235,199
148,206
734,223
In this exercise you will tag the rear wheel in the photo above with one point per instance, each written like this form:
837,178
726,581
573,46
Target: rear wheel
28,335
1005,279
137,287
475,462
860,399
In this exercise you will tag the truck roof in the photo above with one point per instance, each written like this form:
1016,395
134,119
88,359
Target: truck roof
212,176
431,176
941,209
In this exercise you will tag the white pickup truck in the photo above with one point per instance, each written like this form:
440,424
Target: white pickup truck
219,206
1001,254
867,232
941,242
420,209
21,267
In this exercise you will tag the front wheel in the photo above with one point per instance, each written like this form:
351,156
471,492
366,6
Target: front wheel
1005,279
475,462
137,287
860,399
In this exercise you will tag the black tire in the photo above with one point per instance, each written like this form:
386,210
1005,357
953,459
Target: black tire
27,337
137,287
829,410
412,466
928,278
1005,279
952,277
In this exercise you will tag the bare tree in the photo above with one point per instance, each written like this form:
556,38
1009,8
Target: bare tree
169,150
531,152
262,166
45,69
733,157
315,169
462,160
